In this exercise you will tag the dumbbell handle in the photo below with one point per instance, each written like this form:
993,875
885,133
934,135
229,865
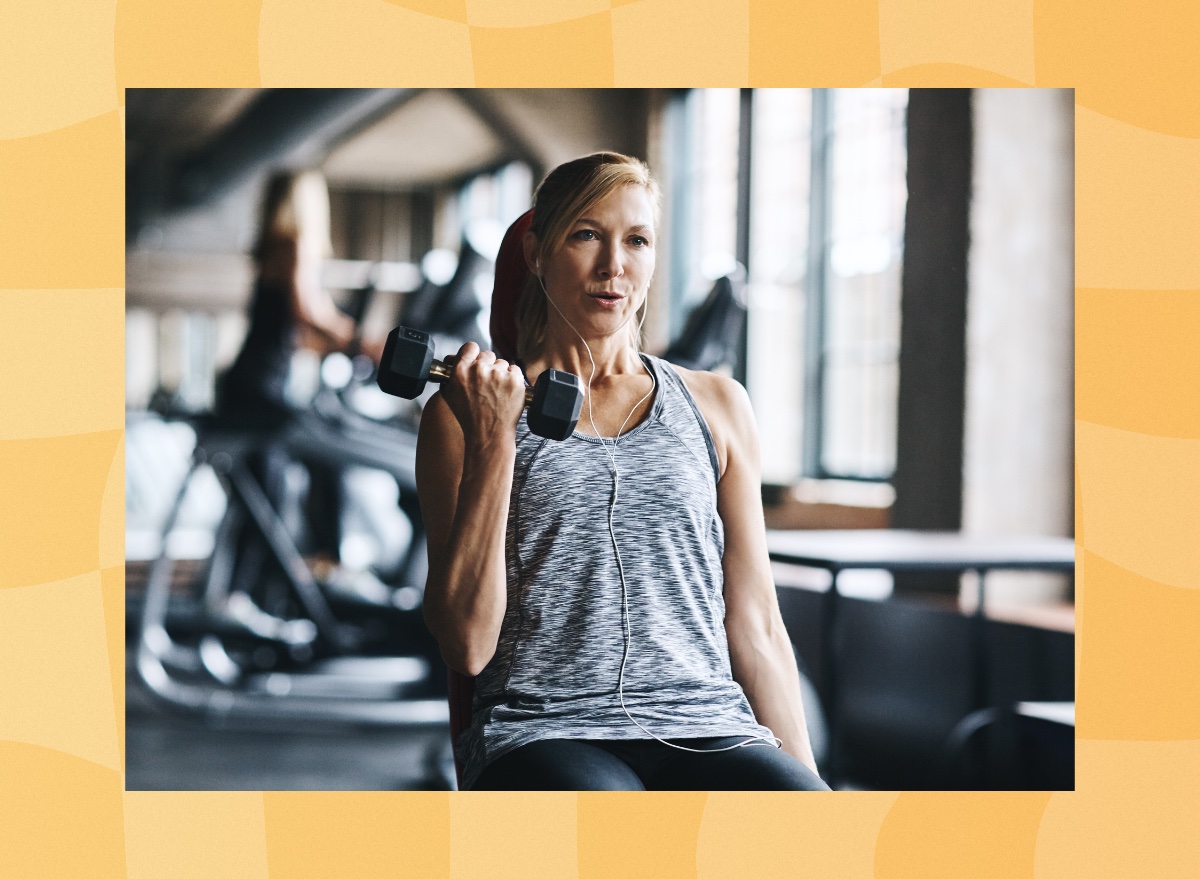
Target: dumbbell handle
442,370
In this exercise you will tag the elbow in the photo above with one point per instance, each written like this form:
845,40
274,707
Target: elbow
467,660
473,666
463,650
751,630
759,641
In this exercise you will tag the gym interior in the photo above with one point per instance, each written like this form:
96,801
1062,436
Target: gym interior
889,272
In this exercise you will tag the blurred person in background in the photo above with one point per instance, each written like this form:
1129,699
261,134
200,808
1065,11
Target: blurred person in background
289,310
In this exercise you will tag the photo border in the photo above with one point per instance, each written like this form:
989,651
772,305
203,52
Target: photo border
63,808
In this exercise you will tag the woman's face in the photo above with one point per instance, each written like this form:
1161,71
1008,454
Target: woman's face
599,277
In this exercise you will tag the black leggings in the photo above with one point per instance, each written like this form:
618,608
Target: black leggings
646,764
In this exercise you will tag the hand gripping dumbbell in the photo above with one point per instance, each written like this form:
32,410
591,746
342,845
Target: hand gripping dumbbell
407,364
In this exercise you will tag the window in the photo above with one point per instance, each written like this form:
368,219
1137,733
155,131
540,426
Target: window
702,126
778,269
499,196
860,154
826,215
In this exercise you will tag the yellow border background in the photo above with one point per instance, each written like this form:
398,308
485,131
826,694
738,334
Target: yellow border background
64,63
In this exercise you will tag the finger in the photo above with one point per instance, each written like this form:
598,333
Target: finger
501,364
487,358
516,378
467,353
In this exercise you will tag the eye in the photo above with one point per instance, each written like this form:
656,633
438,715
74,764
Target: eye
639,241
586,235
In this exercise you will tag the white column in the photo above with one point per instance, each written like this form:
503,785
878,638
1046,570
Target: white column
1018,461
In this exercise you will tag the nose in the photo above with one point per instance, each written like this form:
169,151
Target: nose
608,262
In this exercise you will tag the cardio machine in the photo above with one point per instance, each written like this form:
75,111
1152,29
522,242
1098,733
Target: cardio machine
287,649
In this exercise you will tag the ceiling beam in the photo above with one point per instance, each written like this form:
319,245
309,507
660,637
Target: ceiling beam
518,143
283,128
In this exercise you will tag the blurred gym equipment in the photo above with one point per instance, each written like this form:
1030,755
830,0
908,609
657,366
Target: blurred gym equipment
714,329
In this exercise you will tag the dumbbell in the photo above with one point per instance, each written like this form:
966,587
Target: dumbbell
554,401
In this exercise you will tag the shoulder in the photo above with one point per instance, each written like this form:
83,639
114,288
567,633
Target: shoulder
725,405
718,392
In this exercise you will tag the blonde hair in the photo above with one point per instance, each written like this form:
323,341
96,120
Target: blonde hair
295,208
567,193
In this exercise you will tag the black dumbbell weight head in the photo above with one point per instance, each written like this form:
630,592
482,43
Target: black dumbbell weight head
556,404
404,367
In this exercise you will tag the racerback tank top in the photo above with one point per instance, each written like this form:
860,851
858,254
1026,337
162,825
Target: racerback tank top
556,666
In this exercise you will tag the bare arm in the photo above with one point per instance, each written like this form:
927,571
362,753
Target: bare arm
760,650
465,454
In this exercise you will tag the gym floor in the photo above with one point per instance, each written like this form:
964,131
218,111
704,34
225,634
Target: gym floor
167,751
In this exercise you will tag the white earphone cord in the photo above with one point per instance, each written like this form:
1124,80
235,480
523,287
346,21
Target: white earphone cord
612,457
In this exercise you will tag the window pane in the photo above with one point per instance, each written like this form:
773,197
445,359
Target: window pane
704,195
866,162
779,218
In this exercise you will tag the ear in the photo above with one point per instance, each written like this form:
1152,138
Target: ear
530,244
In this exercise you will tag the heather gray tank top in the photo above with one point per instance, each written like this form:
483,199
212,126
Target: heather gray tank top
556,666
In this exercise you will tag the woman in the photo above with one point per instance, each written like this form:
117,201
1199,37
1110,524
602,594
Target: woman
289,309
611,592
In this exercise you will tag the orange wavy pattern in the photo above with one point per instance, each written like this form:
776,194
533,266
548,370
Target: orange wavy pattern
63,812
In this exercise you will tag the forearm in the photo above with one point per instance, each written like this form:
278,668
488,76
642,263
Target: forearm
766,670
466,591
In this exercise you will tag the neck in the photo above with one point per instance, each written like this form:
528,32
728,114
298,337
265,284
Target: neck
613,355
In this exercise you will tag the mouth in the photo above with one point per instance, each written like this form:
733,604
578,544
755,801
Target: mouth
606,296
